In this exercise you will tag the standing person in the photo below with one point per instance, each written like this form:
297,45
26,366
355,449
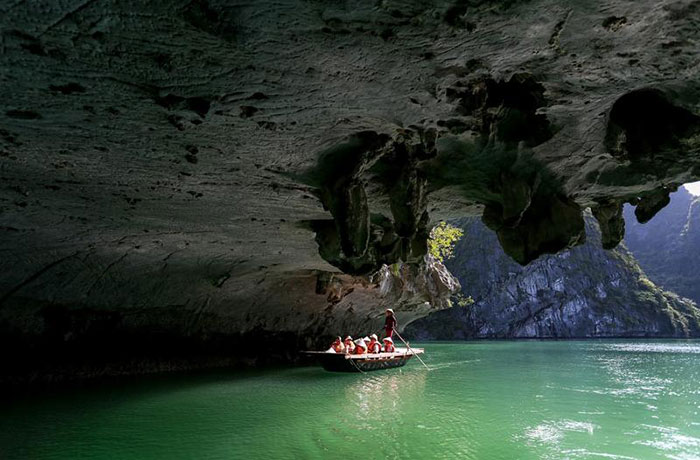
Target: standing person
389,323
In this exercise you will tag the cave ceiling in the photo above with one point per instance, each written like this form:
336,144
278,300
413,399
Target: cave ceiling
223,141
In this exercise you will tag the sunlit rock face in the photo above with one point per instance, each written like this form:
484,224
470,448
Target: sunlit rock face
582,292
667,247
169,164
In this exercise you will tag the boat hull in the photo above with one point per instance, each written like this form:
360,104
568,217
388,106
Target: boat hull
338,362
362,365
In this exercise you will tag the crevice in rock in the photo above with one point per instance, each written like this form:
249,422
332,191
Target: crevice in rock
644,126
216,22
614,23
456,13
68,88
504,111
197,104
555,38
34,277
23,114
359,241
611,222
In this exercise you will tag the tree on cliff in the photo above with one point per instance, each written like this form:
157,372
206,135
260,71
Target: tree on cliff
443,238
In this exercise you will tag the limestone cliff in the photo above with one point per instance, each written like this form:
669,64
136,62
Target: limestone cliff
583,292
668,247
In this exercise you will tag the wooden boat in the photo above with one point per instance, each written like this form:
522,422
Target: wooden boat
340,362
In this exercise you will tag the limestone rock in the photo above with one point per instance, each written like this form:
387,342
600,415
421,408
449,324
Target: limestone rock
582,292
165,164
667,248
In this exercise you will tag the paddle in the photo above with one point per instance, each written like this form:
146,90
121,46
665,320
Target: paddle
411,350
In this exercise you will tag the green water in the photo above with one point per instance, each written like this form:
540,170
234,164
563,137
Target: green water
483,400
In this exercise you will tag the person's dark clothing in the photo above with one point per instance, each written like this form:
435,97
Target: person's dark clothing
390,325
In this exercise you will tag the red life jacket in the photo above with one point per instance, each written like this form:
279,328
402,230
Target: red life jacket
360,350
389,348
375,347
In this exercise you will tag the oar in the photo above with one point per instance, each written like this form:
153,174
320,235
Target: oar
411,350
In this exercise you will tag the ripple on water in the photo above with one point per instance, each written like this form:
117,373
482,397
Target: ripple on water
671,441
654,347
553,431
585,453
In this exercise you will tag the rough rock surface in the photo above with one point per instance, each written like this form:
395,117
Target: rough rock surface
190,166
582,292
668,247
266,322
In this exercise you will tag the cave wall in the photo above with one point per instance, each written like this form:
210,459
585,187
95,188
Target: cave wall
167,163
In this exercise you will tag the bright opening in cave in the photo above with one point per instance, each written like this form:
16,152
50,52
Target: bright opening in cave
693,188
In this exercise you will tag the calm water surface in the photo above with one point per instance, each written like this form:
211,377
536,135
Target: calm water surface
483,400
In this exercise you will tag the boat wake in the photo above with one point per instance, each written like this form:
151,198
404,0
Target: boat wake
434,367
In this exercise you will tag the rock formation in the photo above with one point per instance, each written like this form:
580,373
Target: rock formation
668,247
191,166
582,292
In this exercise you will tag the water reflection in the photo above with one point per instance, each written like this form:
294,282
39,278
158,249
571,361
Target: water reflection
381,397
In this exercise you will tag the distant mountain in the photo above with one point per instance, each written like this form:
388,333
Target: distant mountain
668,246
584,292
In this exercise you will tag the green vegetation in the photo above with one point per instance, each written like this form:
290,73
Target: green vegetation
646,282
460,300
443,238
464,301
586,291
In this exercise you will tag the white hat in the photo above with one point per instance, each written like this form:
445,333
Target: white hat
361,342
373,336
389,309
387,339
347,338
365,338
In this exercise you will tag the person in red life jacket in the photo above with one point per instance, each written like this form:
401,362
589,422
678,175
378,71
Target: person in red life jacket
388,345
374,346
337,345
360,347
349,345
389,323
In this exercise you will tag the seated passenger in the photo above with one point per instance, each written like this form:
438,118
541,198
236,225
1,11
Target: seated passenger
360,347
388,345
337,345
374,346
349,345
